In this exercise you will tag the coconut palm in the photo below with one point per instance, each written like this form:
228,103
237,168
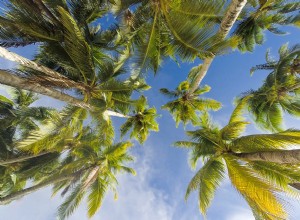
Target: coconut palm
279,93
186,105
142,122
18,120
265,15
159,28
25,22
259,182
90,167
232,13
39,153
77,63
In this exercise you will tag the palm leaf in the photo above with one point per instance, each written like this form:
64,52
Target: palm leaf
207,179
259,194
96,196
252,143
71,203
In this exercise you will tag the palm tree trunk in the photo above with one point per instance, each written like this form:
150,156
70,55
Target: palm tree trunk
295,185
280,156
24,192
230,17
9,79
55,76
21,159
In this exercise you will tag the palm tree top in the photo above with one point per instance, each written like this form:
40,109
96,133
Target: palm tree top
185,106
221,150
279,92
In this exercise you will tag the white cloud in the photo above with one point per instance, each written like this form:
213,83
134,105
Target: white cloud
244,215
137,198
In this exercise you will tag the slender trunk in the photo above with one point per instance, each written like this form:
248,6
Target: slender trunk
55,76
21,159
230,17
281,156
116,114
295,185
93,174
24,192
9,79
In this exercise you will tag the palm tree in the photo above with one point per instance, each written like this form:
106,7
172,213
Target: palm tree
264,15
222,150
25,22
90,167
186,105
160,28
77,62
19,118
39,153
103,165
232,13
141,122
279,93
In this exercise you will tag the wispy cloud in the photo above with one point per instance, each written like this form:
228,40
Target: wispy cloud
138,199
244,215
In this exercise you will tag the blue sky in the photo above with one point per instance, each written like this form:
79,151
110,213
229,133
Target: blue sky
163,173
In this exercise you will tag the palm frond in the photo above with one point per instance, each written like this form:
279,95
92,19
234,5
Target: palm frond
71,203
282,175
260,195
281,140
207,179
96,196
76,46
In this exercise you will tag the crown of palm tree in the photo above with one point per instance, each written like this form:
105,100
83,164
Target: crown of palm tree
160,28
265,15
142,122
279,93
100,164
89,164
186,105
18,120
259,182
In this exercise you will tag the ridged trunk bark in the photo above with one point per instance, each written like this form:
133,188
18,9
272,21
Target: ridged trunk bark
24,192
21,159
9,79
230,17
281,156
55,76
295,185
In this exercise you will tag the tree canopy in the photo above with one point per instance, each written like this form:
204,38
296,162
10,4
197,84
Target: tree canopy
96,55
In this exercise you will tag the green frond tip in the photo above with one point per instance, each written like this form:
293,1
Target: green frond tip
206,181
236,115
142,122
186,106
96,196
